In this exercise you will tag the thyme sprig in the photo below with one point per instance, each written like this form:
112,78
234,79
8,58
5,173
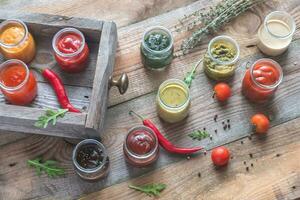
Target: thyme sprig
49,167
150,189
199,135
213,20
50,115
190,76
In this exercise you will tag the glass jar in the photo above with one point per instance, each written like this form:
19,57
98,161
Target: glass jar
261,80
70,50
141,146
173,100
90,160
15,41
157,48
220,58
17,83
276,33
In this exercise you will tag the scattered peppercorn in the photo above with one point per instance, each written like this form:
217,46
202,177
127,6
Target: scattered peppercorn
294,187
278,154
223,122
210,137
244,162
242,142
12,164
215,118
231,157
252,165
204,129
199,174
251,155
228,126
225,127
247,168
228,120
216,131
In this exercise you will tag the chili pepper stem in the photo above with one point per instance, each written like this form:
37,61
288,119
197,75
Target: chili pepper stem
131,112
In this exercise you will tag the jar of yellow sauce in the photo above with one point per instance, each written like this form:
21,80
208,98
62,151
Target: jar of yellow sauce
15,41
173,100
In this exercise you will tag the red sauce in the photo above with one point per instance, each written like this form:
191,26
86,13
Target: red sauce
140,142
12,76
264,73
69,43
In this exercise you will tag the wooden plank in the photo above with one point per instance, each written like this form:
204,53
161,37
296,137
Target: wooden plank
21,119
105,63
275,173
243,29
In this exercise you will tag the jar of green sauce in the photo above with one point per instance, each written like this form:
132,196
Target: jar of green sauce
173,100
157,48
220,58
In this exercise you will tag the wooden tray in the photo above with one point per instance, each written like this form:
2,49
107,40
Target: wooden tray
87,90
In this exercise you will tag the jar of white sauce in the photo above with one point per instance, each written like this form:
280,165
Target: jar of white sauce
276,33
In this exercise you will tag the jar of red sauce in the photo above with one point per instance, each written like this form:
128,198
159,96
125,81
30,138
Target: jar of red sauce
141,146
15,41
17,83
261,80
71,50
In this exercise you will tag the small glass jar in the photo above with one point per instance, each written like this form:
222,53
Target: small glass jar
157,48
276,33
173,100
220,58
15,41
141,146
261,80
90,160
70,50
17,83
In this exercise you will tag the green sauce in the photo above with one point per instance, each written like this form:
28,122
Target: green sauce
155,49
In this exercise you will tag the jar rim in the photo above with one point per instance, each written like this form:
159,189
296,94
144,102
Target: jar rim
8,63
229,39
276,65
149,154
60,33
167,31
293,28
179,82
17,21
85,142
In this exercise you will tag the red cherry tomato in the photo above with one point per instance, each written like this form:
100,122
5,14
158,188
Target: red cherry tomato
220,156
261,123
222,91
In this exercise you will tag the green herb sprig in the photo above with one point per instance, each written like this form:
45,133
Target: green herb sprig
199,135
49,167
190,76
212,20
150,189
51,115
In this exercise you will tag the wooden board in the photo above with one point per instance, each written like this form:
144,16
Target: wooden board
176,171
88,90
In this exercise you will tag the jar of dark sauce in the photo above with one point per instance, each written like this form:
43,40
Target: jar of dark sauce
90,160
157,48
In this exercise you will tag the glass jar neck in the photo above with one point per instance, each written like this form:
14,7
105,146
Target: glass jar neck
280,17
89,142
13,23
10,63
63,32
263,86
137,156
179,83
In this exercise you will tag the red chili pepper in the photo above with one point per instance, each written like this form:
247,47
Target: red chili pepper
164,142
59,89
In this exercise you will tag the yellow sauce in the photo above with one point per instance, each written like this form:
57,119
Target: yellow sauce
13,35
173,101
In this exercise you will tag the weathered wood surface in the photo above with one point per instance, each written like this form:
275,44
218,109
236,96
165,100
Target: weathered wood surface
87,88
141,97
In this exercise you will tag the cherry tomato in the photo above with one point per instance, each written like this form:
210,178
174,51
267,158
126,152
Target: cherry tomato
220,156
261,123
222,91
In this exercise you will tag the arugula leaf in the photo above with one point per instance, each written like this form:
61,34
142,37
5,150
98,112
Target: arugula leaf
150,189
51,115
191,75
49,167
198,135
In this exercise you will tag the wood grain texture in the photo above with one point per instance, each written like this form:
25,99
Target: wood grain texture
275,173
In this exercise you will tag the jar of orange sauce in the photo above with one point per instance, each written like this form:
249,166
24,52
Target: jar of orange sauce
15,41
17,83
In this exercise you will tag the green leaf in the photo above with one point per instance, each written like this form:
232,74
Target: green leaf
49,167
150,189
199,135
191,75
50,115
